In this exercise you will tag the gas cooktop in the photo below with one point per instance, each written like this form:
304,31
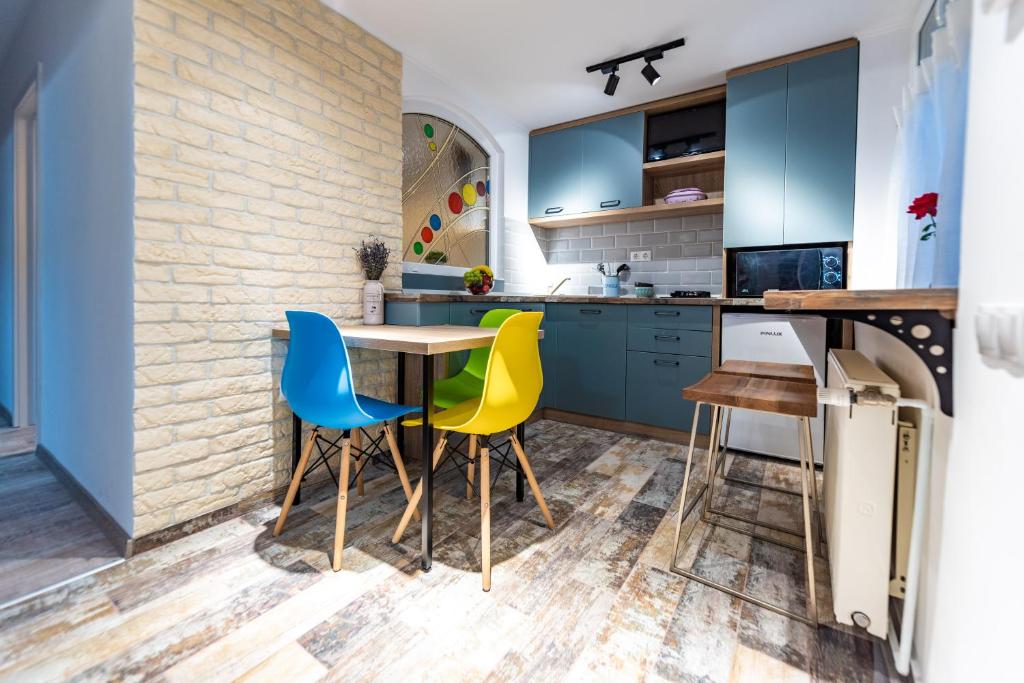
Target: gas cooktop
690,294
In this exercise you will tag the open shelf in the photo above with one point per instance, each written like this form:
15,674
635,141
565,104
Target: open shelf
636,213
698,163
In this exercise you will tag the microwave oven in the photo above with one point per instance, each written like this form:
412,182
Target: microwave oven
758,271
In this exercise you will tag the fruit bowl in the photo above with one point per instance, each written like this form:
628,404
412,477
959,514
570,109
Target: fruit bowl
478,280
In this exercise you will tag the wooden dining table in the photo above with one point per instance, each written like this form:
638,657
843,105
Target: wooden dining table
426,342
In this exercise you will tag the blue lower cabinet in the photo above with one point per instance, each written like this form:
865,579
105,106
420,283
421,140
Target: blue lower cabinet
686,342
469,313
670,316
415,313
591,359
654,385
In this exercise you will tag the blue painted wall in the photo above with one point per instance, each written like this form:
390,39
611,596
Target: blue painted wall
86,236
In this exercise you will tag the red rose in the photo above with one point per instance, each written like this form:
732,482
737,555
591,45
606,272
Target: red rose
926,204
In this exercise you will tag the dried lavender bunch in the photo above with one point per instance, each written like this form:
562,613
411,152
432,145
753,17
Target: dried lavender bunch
373,258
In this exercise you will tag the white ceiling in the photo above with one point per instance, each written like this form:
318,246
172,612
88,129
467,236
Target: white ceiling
528,57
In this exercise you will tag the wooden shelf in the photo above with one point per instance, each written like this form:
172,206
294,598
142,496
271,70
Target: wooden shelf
637,213
941,300
698,163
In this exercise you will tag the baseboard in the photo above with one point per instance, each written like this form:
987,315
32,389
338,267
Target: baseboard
111,529
160,537
625,427
6,419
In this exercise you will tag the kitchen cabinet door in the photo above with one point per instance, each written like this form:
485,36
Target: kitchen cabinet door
755,162
591,359
554,182
654,385
612,169
821,148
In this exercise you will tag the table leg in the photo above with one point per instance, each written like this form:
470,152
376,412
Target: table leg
521,435
296,453
427,435
399,429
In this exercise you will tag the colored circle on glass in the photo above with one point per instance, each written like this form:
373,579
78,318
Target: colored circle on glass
428,130
432,146
427,235
469,194
435,221
455,203
418,248
481,189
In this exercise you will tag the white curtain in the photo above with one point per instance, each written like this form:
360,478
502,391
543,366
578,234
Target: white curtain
932,125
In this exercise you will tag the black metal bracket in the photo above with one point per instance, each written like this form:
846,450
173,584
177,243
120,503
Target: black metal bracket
929,334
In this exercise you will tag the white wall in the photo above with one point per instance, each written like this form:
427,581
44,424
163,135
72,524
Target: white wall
975,632
85,235
884,64
523,266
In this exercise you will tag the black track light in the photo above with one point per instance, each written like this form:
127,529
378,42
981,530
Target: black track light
613,82
649,55
650,73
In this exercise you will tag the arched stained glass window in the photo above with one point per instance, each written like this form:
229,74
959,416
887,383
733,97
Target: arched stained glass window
445,194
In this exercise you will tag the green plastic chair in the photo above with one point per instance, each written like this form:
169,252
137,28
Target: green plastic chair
468,382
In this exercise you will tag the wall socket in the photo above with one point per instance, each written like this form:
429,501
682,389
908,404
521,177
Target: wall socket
643,255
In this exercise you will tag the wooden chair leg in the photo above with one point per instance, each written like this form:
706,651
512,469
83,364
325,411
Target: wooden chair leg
357,441
396,456
339,525
469,468
485,517
415,500
293,488
528,471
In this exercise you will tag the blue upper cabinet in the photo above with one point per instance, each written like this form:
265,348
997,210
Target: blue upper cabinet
755,162
791,138
613,156
555,166
821,148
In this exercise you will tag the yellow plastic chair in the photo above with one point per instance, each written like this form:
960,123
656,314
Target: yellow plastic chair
512,386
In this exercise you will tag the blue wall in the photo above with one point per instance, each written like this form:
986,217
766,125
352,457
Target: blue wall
86,239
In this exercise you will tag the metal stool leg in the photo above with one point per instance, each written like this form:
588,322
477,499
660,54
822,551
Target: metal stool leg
807,453
683,512
716,433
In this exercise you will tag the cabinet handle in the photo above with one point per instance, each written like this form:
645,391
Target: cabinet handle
610,203
666,362
665,337
675,313
553,209
481,311
591,311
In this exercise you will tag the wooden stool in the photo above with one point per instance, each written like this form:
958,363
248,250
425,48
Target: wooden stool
723,392
791,372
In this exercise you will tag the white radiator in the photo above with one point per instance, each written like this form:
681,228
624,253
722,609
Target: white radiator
859,481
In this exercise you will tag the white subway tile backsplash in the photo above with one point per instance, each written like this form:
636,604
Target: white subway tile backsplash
687,253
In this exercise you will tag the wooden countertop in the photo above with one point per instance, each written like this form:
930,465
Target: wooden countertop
942,300
568,299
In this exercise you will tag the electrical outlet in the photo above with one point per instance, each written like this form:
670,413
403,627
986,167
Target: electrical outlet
644,255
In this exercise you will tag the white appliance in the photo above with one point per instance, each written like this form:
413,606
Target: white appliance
858,492
777,339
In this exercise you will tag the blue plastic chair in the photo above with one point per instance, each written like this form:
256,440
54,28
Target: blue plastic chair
317,382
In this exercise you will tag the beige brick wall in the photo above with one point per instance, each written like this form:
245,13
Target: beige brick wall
268,144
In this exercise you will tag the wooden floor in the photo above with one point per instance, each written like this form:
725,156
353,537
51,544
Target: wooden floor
591,600
17,440
46,537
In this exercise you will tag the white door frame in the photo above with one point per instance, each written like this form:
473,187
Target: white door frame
26,303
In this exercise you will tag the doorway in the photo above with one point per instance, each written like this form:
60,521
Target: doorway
26,174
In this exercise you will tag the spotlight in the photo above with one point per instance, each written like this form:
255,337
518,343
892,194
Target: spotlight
613,82
651,74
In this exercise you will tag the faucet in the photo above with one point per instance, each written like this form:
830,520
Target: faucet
555,288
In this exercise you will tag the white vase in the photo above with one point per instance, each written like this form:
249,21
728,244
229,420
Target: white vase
373,303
